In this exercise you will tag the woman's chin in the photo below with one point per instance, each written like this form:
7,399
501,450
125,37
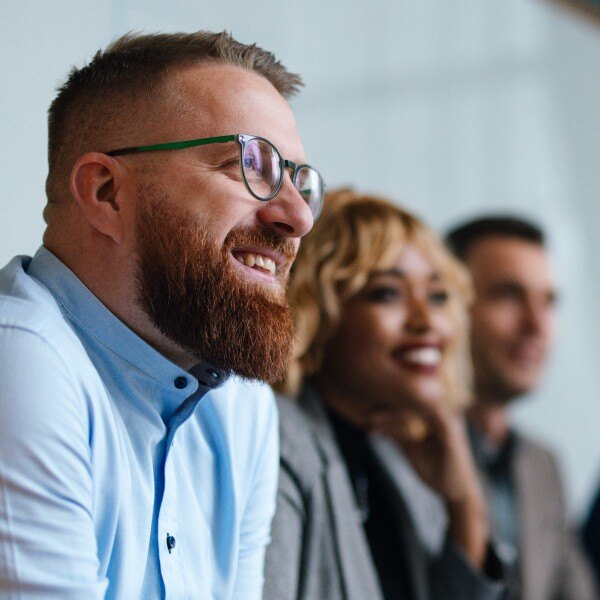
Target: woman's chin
425,394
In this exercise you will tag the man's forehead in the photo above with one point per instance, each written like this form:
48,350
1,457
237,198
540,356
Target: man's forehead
510,259
216,82
506,250
213,99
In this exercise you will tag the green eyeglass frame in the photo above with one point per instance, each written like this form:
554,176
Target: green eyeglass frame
313,196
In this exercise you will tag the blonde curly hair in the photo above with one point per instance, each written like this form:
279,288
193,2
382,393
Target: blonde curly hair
357,234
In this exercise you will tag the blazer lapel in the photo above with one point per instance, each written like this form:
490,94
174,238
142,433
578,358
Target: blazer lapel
419,514
358,574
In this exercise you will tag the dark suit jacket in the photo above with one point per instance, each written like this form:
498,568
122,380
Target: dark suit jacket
319,550
552,566
591,535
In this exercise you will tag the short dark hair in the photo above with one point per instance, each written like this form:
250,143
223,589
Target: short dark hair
461,238
99,96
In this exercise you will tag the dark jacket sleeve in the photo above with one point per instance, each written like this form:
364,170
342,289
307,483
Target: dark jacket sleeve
454,577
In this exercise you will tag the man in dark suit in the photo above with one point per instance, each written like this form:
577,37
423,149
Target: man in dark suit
513,318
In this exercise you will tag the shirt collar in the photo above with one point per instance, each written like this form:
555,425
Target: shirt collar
488,455
90,316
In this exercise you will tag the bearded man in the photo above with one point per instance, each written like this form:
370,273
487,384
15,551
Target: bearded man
138,456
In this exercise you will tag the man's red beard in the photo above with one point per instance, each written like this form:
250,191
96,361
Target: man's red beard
190,289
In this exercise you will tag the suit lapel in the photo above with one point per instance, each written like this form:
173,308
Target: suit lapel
532,522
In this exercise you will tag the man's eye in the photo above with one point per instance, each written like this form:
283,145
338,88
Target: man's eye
507,294
439,297
229,164
231,168
253,169
383,294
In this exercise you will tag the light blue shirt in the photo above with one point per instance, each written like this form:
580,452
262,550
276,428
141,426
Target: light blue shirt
122,475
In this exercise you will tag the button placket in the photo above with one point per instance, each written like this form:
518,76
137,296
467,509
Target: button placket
171,558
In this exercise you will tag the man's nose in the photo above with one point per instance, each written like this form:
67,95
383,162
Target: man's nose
287,213
536,318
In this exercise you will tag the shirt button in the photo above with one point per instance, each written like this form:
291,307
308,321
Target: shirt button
180,382
170,543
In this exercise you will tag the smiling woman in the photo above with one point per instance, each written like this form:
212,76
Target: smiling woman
381,374
360,245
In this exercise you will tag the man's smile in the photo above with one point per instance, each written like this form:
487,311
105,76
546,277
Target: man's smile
257,261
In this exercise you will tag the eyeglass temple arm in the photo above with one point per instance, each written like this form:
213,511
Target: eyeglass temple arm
173,145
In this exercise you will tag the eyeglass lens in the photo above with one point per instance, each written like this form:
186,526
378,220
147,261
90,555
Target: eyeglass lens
308,183
262,171
262,167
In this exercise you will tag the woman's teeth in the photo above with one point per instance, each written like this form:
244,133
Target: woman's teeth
256,260
423,356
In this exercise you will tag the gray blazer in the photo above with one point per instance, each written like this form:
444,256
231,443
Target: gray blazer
552,565
319,550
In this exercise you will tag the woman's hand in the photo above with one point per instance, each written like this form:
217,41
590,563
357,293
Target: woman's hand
435,441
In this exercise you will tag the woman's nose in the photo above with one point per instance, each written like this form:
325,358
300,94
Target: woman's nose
419,316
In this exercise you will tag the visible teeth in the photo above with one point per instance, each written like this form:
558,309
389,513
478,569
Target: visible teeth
258,260
423,356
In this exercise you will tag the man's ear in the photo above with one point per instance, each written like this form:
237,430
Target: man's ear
96,181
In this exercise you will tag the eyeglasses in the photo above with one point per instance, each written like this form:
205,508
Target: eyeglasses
262,167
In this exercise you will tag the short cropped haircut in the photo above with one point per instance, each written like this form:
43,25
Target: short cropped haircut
101,96
461,238
355,236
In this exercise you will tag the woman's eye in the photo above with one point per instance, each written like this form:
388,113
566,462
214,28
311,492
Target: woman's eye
383,294
439,297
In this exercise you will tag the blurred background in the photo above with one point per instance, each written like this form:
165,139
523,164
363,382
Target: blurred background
452,108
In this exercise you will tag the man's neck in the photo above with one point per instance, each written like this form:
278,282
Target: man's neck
492,421
114,285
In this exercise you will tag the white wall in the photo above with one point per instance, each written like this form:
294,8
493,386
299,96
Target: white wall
453,107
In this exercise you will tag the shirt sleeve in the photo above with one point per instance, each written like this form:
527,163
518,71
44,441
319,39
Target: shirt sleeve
256,522
47,541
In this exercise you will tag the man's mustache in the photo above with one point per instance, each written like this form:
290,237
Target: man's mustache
261,237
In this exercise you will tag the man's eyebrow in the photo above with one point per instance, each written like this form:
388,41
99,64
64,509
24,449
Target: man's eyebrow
507,286
507,283
552,293
216,152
